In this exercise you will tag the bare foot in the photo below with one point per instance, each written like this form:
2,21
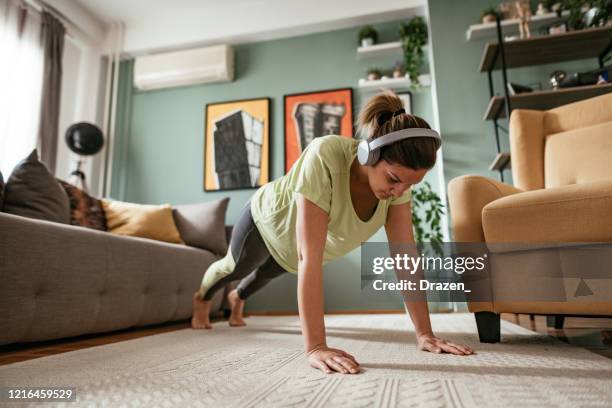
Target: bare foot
201,313
237,305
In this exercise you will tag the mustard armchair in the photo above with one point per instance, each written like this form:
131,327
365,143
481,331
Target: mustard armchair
561,192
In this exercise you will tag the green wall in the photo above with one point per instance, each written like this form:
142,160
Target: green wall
160,140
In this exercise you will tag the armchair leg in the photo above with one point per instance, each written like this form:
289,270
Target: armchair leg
555,321
488,324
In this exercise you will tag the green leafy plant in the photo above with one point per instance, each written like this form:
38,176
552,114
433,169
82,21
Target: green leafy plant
575,19
427,211
577,9
368,32
413,36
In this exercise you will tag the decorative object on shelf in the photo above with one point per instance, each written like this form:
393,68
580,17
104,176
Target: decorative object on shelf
507,10
551,5
368,36
398,70
523,12
556,78
558,28
585,13
597,76
373,73
414,36
406,98
599,13
515,89
489,15
314,114
541,10
237,144
84,139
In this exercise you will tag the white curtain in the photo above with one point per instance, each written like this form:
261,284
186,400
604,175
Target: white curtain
21,73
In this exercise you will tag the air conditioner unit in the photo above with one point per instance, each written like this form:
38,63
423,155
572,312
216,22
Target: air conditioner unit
189,67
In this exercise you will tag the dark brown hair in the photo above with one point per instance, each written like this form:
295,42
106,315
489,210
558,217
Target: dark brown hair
416,153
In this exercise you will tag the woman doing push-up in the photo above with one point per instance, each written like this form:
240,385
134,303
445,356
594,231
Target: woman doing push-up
337,194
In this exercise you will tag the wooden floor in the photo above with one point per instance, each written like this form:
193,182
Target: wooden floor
594,334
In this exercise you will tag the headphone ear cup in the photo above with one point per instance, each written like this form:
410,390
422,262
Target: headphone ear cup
363,152
374,157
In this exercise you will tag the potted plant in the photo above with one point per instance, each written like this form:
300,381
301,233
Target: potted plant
413,35
368,36
398,70
427,211
373,73
577,10
489,15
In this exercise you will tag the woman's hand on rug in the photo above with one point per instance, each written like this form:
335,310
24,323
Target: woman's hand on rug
433,344
329,359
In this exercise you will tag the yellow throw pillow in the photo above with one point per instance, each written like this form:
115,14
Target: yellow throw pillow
141,220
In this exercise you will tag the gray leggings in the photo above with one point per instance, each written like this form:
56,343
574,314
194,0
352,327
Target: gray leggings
254,264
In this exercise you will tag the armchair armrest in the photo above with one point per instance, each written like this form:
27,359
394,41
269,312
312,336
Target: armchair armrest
467,196
573,213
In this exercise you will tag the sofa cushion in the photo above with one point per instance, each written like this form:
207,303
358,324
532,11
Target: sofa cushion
85,210
202,225
32,191
578,156
141,220
574,213
1,190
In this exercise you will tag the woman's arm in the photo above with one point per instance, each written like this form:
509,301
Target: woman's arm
399,231
311,236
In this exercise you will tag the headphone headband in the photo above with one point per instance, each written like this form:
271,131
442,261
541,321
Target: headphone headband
401,134
368,151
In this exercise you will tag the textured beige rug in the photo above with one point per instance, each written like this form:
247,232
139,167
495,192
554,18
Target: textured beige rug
262,366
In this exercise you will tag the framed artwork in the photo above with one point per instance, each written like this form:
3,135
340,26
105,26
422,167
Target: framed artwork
314,114
237,144
406,98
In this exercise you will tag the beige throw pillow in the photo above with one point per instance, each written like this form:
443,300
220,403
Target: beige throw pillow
141,220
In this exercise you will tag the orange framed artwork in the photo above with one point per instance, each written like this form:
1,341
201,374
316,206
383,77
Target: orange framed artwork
313,114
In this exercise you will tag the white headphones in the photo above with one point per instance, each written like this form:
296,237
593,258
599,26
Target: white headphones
368,151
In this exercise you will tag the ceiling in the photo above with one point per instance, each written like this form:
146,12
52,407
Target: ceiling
159,25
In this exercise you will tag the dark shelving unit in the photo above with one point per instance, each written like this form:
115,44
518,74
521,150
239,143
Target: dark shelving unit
544,99
504,55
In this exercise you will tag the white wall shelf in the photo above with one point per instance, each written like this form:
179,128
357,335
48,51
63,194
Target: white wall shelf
402,83
382,50
510,26
378,50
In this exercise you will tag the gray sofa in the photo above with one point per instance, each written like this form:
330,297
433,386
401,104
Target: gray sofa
59,280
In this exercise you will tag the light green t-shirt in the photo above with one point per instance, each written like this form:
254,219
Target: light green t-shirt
322,175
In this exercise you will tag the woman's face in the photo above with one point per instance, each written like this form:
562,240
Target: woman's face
389,180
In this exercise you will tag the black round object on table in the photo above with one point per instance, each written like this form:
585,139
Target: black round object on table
84,138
